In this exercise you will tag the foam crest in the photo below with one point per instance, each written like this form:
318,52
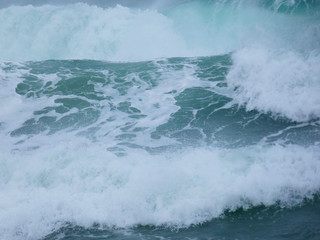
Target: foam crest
81,183
283,83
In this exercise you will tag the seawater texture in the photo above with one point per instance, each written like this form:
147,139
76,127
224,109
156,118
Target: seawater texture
160,119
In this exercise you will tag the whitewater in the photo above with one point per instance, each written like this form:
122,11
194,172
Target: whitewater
160,119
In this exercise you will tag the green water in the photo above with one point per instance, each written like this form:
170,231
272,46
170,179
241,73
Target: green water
158,120
300,222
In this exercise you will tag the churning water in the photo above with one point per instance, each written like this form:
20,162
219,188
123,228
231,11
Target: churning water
160,120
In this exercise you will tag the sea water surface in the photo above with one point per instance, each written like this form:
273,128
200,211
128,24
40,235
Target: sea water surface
160,119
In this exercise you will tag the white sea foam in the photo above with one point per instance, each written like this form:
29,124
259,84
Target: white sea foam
283,83
81,183
81,31
159,96
48,180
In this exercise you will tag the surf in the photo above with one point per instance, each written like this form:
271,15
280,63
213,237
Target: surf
119,33
159,118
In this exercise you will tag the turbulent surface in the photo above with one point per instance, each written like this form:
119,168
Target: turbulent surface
189,119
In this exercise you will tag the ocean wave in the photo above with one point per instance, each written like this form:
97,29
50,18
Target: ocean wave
166,114
285,84
79,183
82,31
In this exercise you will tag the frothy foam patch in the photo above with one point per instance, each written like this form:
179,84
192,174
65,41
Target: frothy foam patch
83,184
139,104
284,83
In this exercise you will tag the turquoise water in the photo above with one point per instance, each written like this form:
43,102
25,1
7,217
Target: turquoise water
296,223
160,120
